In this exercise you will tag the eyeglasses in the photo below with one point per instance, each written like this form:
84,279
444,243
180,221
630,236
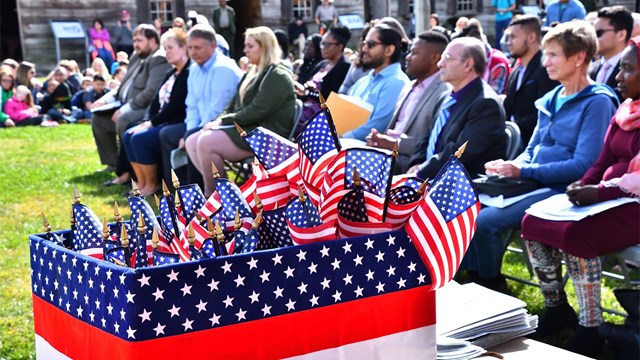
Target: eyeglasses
324,44
371,44
601,32
6,81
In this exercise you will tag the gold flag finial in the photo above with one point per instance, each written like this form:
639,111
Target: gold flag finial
219,233
142,227
116,212
154,238
165,188
214,171
323,103
45,224
240,130
423,187
197,215
461,149
301,196
236,222
124,236
191,235
118,262
257,220
174,179
134,188
395,149
356,177
72,217
256,198
105,229
177,200
210,229
157,200
76,195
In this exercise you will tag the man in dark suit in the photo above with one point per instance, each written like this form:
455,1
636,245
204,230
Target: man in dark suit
613,28
473,112
529,80
224,22
419,100
144,76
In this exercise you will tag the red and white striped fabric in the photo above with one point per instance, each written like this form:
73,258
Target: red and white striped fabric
303,236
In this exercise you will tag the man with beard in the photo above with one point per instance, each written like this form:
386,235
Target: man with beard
529,79
146,71
381,51
418,102
473,112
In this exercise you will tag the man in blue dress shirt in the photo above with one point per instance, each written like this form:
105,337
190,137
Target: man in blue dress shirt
381,51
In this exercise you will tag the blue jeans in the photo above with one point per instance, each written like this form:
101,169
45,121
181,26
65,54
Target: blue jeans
501,26
487,246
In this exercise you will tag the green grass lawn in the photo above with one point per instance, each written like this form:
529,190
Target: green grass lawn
38,170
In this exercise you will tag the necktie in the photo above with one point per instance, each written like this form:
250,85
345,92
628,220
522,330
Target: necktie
438,125
602,74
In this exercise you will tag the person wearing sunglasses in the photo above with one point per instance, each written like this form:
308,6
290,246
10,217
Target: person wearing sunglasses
613,29
381,87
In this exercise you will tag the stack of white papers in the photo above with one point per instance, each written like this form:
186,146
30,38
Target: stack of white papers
472,318
559,208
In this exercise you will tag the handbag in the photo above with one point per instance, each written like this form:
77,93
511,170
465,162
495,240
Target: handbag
494,185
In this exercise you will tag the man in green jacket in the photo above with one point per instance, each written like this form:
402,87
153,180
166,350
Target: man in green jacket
224,22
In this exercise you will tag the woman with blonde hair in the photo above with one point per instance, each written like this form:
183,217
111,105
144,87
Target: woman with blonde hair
101,68
265,97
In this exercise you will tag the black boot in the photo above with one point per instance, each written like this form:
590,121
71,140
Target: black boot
586,341
554,320
624,340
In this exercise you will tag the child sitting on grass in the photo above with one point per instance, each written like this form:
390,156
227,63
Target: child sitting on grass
22,109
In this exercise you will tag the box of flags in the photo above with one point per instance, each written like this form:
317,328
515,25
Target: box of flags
320,254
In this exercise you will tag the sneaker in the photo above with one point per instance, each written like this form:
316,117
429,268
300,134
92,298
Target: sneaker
49,123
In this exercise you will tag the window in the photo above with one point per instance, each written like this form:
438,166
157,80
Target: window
161,9
466,7
303,8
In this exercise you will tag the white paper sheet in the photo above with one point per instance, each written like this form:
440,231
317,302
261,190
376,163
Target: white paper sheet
559,208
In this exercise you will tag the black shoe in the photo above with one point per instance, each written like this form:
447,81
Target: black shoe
554,320
496,283
586,341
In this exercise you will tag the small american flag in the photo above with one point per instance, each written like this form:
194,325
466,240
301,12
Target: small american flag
168,238
374,168
278,155
272,190
87,236
442,226
317,146
275,222
305,225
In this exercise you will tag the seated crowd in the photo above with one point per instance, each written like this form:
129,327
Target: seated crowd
180,93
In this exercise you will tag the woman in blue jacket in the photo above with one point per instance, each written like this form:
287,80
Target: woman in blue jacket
572,122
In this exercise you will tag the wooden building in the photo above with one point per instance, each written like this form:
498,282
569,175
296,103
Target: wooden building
25,32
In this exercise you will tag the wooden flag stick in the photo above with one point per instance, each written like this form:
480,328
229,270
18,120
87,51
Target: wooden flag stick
45,225
256,198
76,195
191,235
323,103
116,212
236,222
165,188
423,187
461,149
210,229
105,229
72,218
174,179
134,188
214,171
239,129
257,220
